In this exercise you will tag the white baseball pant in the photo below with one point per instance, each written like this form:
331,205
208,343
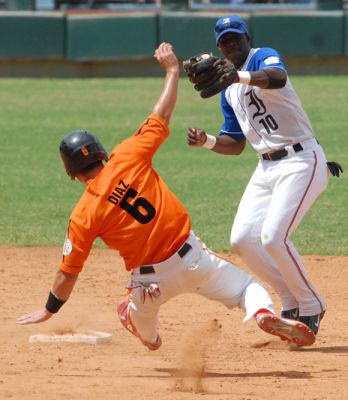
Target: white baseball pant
276,199
200,271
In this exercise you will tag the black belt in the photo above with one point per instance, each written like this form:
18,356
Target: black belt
279,154
149,269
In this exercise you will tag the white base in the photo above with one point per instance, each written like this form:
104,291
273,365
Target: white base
91,337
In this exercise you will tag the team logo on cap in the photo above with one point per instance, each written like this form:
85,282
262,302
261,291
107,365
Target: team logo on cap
67,248
84,151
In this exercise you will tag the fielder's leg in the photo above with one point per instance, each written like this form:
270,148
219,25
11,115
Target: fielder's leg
297,185
246,237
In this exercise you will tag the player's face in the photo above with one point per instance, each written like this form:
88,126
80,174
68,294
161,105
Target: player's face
235,47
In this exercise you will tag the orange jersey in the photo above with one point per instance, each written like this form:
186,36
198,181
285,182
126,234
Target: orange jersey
128,206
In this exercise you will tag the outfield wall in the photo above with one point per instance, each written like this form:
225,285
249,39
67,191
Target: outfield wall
58,44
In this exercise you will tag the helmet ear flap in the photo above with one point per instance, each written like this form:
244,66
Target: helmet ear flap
79,150
67,165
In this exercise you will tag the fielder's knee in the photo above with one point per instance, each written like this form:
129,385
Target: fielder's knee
271,243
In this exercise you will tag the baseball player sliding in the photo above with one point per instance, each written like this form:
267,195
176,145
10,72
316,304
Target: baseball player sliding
127,205
259,104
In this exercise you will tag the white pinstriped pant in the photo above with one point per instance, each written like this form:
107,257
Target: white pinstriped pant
277,197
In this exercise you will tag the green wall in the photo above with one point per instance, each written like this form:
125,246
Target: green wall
188,33
91,42
111,37
300,35
32,35
345,37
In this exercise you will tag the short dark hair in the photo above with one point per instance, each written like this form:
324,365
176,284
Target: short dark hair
91,166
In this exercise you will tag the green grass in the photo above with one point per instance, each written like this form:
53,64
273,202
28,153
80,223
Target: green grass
37,197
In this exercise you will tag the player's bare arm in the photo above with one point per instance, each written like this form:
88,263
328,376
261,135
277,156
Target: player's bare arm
222,144
62,287
270,78
165,104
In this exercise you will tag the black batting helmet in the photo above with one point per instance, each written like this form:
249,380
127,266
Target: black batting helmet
79,150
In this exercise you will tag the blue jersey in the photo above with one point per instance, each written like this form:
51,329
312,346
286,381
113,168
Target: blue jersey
268,118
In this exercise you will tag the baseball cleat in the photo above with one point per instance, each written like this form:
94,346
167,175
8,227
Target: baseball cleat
294,332
294,313
312,321
123,315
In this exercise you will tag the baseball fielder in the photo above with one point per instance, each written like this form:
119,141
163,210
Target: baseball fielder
261,106
128,205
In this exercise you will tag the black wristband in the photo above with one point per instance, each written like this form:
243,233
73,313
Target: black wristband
53,303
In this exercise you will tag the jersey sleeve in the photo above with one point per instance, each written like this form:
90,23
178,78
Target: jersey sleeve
144,143
230,126
77,246
267,58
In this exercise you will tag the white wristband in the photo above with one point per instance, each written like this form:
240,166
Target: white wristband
210,142
244,77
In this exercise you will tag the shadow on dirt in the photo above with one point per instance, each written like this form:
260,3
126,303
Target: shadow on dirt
332,349
177,373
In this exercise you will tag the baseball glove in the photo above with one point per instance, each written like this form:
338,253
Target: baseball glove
209,74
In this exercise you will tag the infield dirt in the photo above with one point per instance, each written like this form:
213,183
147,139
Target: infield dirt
207,351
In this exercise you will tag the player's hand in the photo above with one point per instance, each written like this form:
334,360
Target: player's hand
196,137
35,317
164,54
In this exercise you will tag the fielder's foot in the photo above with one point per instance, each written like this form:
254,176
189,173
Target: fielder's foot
123,314
294,314
313,321
293,331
